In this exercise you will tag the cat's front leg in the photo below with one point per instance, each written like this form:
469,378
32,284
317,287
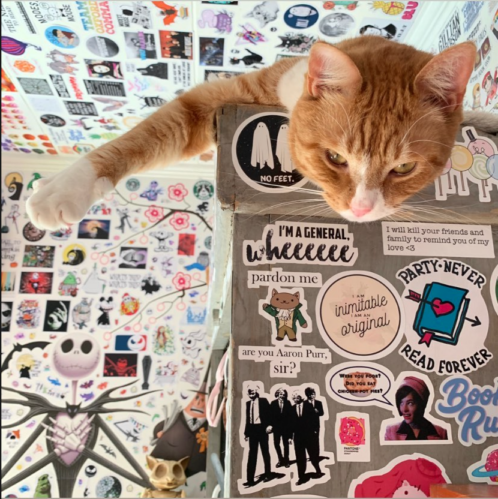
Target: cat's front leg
66,197
179,130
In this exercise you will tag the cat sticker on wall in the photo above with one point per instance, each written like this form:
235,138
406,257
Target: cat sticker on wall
264,13
286,310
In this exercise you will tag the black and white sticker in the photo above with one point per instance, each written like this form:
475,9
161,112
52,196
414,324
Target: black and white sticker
261,154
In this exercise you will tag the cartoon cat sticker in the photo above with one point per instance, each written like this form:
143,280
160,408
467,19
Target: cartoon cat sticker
287,312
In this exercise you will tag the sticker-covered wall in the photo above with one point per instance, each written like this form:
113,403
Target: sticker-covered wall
78,74
104,345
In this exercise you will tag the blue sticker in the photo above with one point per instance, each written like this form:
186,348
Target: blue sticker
130,343
62,37
301,16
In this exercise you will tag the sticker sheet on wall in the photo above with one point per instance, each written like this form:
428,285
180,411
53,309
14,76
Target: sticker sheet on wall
103,327
479,22
93,71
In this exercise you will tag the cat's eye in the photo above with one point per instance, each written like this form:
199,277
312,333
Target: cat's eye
336,159
404,168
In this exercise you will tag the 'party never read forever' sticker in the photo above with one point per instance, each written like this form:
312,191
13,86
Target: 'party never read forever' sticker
447,318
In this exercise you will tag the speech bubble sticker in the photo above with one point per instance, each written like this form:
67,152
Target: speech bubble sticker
360,383
396,430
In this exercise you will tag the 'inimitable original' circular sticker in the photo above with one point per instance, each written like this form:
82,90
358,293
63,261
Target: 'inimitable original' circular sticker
261,155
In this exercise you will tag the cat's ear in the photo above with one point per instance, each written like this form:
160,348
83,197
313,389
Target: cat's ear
444,79
151,462
330,69
297,295
274,292
184,462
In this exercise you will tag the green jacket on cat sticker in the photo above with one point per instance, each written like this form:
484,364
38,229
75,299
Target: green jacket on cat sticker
285,307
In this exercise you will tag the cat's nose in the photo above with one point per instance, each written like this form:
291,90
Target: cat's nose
360,211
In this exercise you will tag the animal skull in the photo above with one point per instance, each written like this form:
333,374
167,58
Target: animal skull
167,475
77,356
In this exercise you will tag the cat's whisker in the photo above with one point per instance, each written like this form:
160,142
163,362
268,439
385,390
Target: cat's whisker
438,211
296,212
297,201
422,117
317,213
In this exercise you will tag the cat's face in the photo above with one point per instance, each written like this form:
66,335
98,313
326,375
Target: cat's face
167,475
265,13
284,301
377,134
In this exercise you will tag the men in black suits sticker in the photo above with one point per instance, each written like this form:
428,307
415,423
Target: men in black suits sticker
282,433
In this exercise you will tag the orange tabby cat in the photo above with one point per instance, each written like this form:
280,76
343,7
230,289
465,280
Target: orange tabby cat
373,122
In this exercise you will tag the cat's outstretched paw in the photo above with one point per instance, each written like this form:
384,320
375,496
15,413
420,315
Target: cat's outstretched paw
66,197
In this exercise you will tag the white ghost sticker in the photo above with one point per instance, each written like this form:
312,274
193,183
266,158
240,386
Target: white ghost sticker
261,147
283,152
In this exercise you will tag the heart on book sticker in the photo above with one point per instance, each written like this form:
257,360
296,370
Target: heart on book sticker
442,307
